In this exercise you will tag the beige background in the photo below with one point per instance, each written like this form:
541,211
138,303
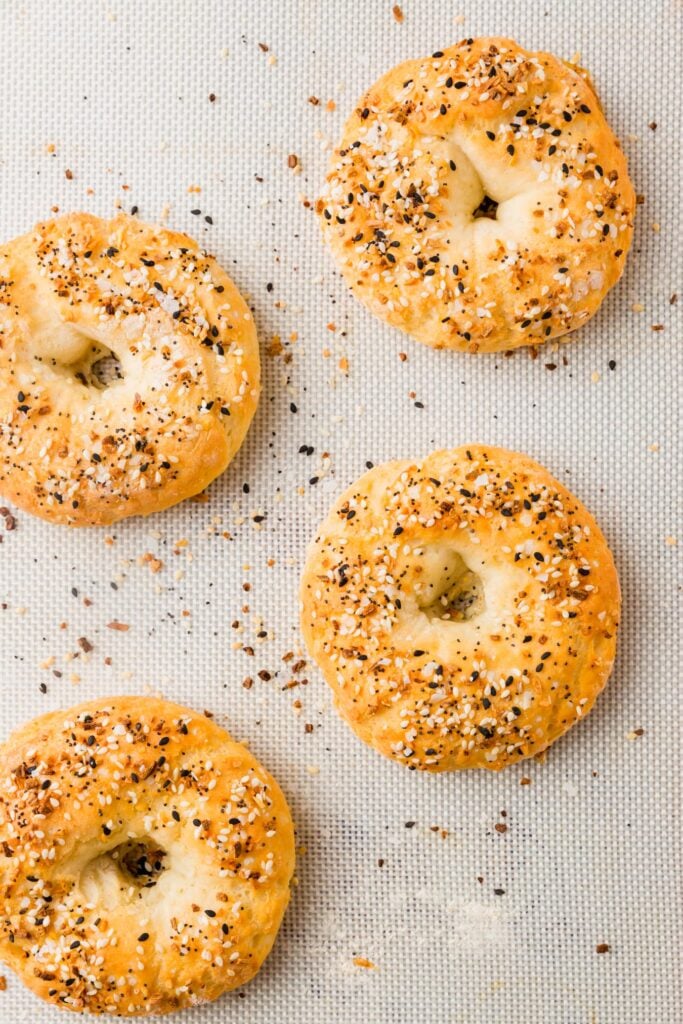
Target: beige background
121,91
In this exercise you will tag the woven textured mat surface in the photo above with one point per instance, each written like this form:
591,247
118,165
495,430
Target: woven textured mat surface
119,94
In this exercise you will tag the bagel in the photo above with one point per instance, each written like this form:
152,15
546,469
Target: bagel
146,858
478,199
79,449
463,608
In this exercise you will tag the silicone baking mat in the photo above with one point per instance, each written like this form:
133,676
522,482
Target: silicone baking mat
191,112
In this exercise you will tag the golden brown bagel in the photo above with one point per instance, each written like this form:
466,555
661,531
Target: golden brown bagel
145,857
463,608
78,289
427,155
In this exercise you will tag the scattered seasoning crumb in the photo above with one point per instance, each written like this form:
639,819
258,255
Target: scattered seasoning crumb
397,13
3,982
9,519
155,564
381,862
653,126
293,162
657,327
314,101
85,644
313,769
525,781
499,892
595,377
635,734
212,97
362,961
671,542
121,627
602,947
69,175
501,827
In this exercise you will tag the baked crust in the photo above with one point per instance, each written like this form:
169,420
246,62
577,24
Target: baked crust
82,792
426,144
79,288
463,608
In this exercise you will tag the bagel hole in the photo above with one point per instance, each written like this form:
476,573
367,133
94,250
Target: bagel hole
104,370
454,592
141,861
488,208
